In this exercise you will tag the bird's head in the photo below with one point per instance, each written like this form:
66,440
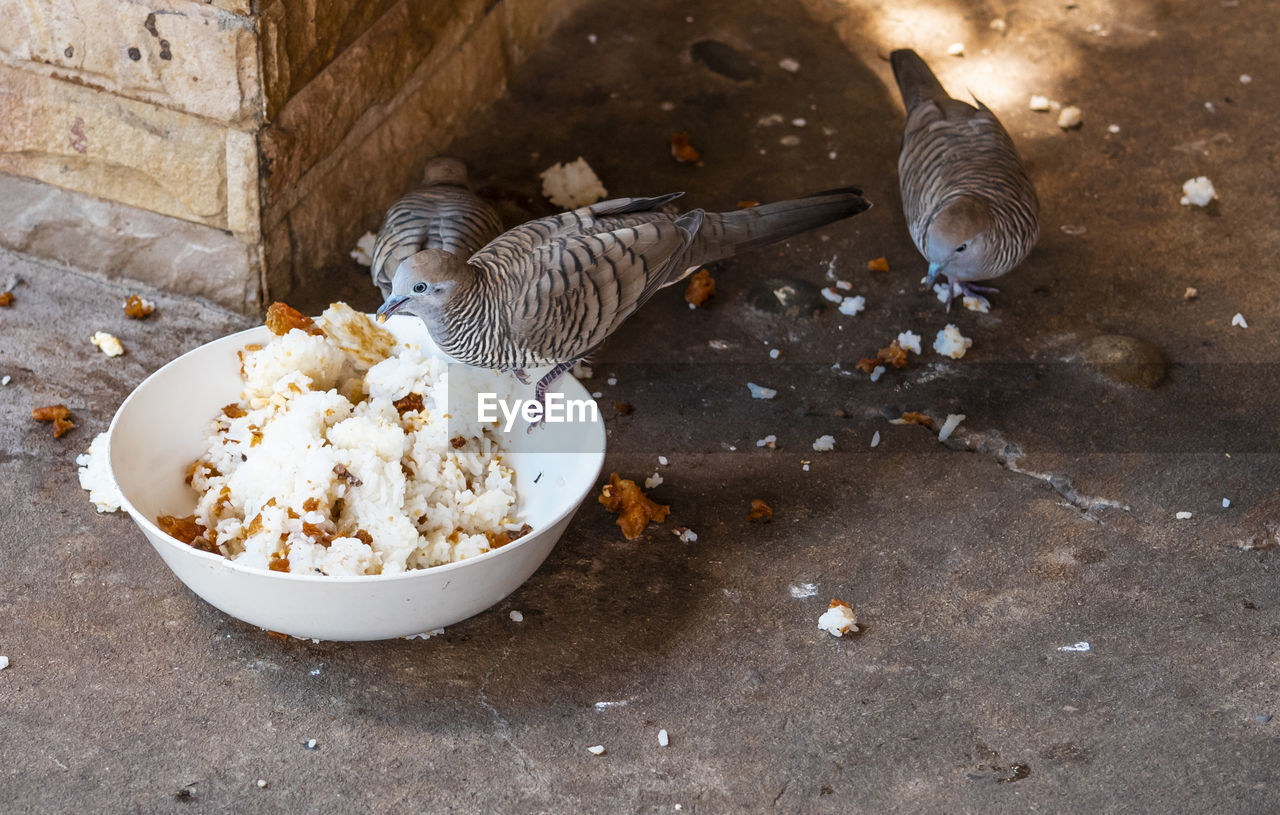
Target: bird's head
425,284
445,170
959,241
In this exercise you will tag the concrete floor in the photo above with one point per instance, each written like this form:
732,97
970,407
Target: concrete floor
1048,520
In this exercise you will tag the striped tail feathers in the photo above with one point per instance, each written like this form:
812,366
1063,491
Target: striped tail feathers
725,234
916,82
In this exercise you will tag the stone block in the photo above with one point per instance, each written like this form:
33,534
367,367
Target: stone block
188,56
119,149
118,241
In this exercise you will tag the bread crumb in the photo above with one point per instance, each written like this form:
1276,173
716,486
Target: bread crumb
1245,79
1113,128
1040,104
572,185
824,444
107,343
951,343
1198,191
838,619
761,392
1070,118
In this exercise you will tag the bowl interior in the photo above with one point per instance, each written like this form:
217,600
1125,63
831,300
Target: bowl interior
160,428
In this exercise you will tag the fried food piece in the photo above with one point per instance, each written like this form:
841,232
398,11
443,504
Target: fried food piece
681,150
701,288
635,510
135,308
760,511
892,354
878,265
408,403
282,319
183,529
6,299
916,417
622,408
499,539
58,414
748,203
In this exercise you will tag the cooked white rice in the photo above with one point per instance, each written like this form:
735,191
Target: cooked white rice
321,474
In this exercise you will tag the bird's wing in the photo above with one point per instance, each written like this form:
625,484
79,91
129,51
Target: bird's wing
569,292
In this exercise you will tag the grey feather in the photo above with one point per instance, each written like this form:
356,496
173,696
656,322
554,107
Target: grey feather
969,204
443,214
551,290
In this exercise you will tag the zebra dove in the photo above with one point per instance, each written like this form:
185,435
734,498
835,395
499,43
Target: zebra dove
444,214
969,204
551,290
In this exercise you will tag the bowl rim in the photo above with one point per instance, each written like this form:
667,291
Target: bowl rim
155,533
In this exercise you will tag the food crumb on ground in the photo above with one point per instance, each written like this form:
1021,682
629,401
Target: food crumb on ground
832,294
95,475
652,481
1183,516
761,392
1113,128
682,150
951,343
844,285
1191,293
363,253
998,25
6,379
596,750
955,49
788,64
663,738
1198,191
1040,104
877,372
824,443
138,308
770,441
107,343
760,511
1079,647
852,305
262,783
701,288
685,534
1245,79
516,617
875,439
1070,118
949,426
1226,503
582,371
310,744
634,509
880,264
662,460
838,619
425,635
58,414
909,341
571,185
1239,320
4,662
914,417
774,353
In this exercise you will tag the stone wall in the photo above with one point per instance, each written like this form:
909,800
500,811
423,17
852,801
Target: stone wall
233,149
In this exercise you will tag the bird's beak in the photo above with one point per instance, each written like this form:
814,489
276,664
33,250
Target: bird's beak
390,307
934,270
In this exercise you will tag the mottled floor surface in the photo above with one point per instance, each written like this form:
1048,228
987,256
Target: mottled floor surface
1048,520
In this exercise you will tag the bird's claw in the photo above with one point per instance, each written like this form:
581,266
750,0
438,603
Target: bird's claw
519,374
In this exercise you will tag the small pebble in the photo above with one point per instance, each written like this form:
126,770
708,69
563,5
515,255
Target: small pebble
516,617
1183,516
597,750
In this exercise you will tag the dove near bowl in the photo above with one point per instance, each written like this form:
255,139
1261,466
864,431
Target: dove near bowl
161,428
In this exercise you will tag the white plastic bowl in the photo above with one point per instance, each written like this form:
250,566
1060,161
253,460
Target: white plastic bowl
159,431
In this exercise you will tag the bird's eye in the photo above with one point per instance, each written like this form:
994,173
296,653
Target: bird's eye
419,288
962,247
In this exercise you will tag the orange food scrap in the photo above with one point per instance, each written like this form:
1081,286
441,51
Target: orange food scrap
499,539
6,299
135,308
878,265
282,319
58,414
183,529
892,354
681,150
622,408
760,511
279,562
916,417
635,510
701,288
748,203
